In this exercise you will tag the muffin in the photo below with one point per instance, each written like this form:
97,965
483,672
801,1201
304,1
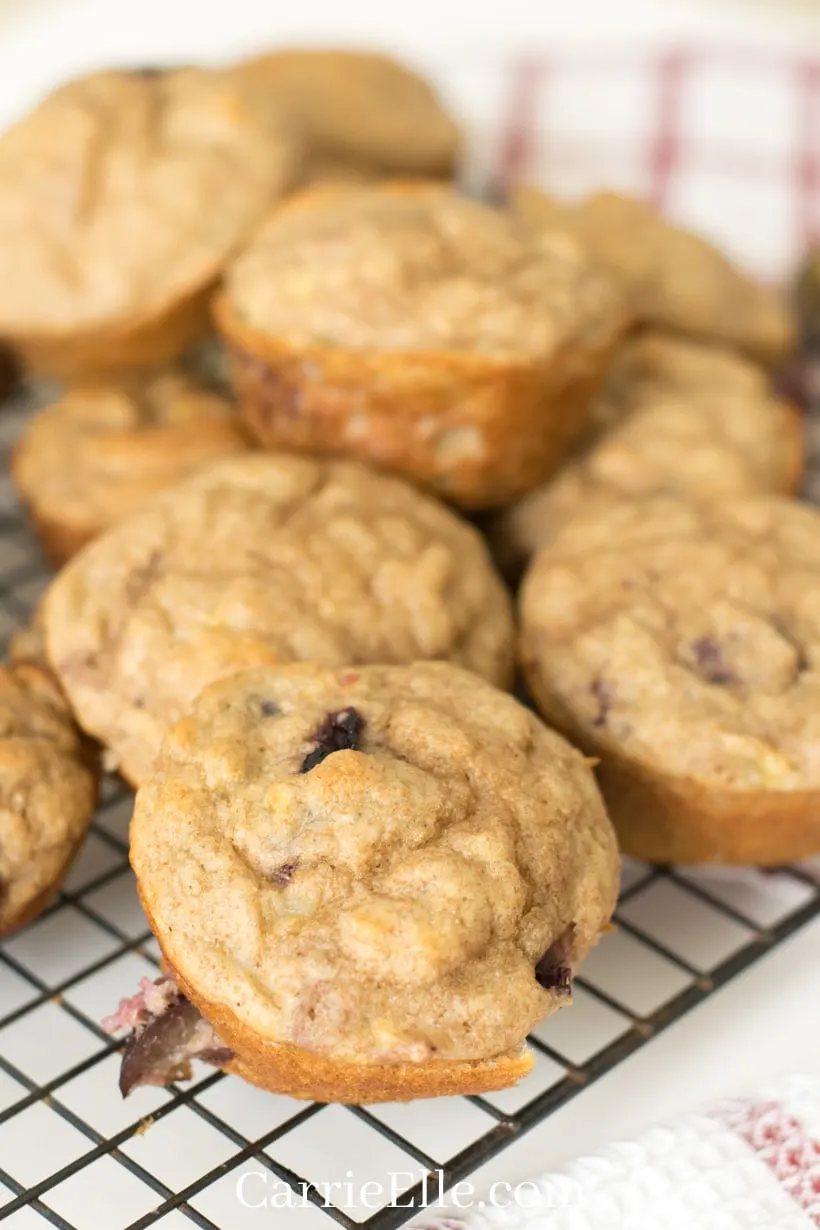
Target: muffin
122,195
654,363
261,560
677,280
105,448
403,953
48,790
357,114
678,643
707,443
423,332
27,646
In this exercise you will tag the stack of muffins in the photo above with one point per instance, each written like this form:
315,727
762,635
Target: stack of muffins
314,405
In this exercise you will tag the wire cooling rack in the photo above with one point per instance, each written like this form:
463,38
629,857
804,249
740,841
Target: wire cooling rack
74,1155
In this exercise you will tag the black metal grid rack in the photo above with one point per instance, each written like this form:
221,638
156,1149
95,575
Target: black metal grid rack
74,1156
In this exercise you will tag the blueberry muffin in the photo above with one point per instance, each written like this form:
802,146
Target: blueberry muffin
122,195
358,114
678,644
370,883
261,560
705,444
676,279
408,326
48,789
102,450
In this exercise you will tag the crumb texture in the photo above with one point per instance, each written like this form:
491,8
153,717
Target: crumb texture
674,417
47,790
685,638
420,269
108,192
418,891
97,454
358,112
677,279
265,559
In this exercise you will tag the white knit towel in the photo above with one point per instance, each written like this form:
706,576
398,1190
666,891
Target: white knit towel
748,1164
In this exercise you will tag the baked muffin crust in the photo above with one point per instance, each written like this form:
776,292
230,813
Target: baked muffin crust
103,449
360,109
678,643
121,197
677,280
48,789
708,449
673,417
259,560
417,270
411,327
370,865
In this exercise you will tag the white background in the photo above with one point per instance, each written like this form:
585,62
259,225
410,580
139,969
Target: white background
44,40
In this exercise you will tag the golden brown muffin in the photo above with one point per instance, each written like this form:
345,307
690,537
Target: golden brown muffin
653,363
104,449
121,197
321,170
261,560
652,360
675,432
404,953
680,644
358,112
48,789
413,328
677,280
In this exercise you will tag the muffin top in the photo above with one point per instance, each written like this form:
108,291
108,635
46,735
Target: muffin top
686,637
48,789
394,864
677,280
124,192
654,360
358,107
103,449
701,447
265,559
408,268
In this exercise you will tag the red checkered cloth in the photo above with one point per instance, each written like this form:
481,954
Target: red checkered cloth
724,140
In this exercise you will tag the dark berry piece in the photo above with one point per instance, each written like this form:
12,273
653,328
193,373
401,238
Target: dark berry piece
270,708
339,732
283,875
556,978
160,1051
218,1056
710,661
554,970
603,694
